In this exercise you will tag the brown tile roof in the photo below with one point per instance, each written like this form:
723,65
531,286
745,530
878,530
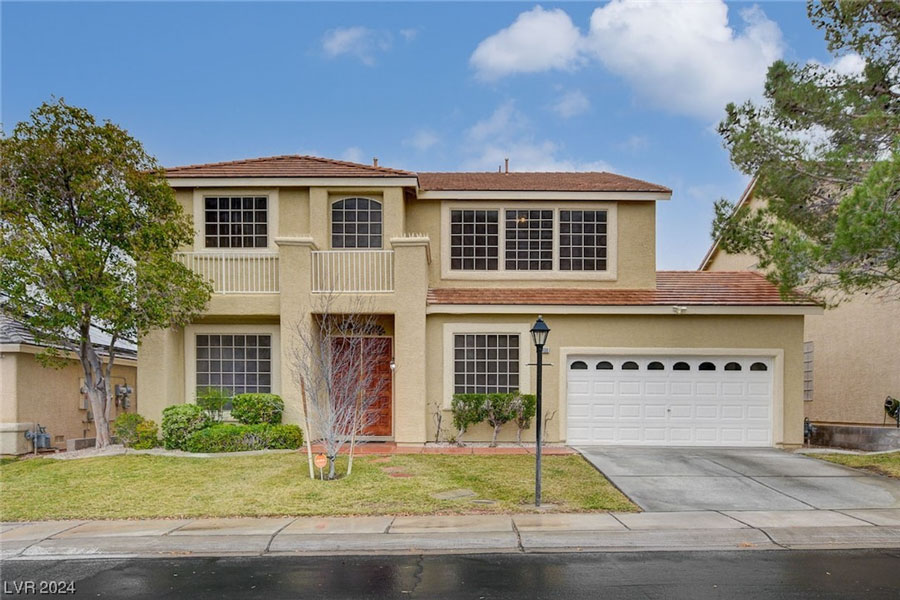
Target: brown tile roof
290,165
542,182
672,287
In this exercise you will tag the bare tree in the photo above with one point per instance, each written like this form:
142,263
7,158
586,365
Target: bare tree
340,360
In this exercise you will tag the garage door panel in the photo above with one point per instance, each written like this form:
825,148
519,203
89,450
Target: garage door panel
664,406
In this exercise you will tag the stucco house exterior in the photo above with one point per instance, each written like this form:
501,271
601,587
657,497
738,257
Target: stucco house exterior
32,393
852,354
458,266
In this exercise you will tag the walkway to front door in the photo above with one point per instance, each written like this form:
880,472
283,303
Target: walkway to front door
683,479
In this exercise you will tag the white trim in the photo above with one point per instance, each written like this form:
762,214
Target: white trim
67,354
776,354
745,198
190,351
269,182
612,239
200,217
539,195
666,309
451,329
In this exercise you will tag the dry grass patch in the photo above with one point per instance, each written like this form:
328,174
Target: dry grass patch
145,486
883,464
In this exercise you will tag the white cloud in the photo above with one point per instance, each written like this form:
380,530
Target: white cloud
508,133
682,56
538,40
635,143
360,42
847,65
572,104
409,34
422,140
353,154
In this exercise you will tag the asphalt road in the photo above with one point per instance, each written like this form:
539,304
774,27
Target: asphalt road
869,574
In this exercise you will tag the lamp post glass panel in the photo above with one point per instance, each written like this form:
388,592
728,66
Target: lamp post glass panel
539,334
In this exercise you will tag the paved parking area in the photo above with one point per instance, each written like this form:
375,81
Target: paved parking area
731,479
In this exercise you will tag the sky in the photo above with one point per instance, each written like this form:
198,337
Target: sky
635,88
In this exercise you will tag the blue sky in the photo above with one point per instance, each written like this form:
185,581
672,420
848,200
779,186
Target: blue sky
635,88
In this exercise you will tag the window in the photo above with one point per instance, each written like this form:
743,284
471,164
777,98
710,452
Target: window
237,364
758,366
579,365
236,222
529,240
655,366
732,366
356,223
807,371
582,240
681,366
604,365
629,365
474,240
707,366
485,363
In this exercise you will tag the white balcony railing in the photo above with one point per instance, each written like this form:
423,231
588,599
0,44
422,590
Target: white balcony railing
353,271
235,272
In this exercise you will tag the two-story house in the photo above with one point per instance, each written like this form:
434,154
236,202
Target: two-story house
458,266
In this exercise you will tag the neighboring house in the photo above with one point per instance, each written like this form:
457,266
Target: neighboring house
852,353
459,266
32,393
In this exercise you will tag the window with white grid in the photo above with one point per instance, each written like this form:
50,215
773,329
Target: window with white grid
236,221
582,240
808,371
236,363
474,240
485,363
356,223
529,240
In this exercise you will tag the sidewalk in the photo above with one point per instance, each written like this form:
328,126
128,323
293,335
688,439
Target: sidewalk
547,532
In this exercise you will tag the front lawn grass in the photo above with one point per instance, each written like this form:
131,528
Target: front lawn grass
883,464
146,486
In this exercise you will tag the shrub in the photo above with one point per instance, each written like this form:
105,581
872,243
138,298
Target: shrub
253,409
524,408
125,428
496,409
146,435
468,409
228,437
213,400
179,422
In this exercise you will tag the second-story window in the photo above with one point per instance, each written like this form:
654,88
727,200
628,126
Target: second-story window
236,222
474,240
529,240
356,223
582,240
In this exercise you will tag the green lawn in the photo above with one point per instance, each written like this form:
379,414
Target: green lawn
144,486
884,464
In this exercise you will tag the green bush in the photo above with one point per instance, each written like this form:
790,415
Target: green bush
524,408
179,422
467,409
498,411
495,409
213,400
147,437
253,409
125,428
228,437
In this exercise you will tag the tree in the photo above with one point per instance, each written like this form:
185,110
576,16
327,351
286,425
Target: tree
340,375
825,146
89,226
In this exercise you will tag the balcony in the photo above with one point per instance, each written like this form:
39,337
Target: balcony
353,271
235,272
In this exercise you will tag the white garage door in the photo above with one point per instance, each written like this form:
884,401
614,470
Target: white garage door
669,400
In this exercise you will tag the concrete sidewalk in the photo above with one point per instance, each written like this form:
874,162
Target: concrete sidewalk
539,532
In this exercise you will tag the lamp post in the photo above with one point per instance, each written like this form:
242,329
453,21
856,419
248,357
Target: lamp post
539,333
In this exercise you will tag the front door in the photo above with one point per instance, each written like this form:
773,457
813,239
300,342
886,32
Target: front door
374,365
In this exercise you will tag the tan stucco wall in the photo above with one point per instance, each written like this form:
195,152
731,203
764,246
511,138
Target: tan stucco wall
160,373
31,393
634,331
722,261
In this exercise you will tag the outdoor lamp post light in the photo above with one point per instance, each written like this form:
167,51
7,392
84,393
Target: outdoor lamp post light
539,334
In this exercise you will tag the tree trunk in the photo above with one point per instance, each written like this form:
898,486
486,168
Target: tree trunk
331,461
494,437
97,388
519,436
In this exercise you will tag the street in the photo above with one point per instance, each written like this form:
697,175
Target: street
869,574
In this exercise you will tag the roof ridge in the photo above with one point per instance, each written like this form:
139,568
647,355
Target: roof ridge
278,157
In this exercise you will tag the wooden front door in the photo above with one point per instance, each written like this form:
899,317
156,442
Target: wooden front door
374,366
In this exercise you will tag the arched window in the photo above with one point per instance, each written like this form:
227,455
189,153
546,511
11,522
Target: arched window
707,366
681,366
604,365
733,366
356,223
629,365
579,365
758,366
655,366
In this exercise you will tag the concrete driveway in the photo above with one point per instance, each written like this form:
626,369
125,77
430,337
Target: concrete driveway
685,479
